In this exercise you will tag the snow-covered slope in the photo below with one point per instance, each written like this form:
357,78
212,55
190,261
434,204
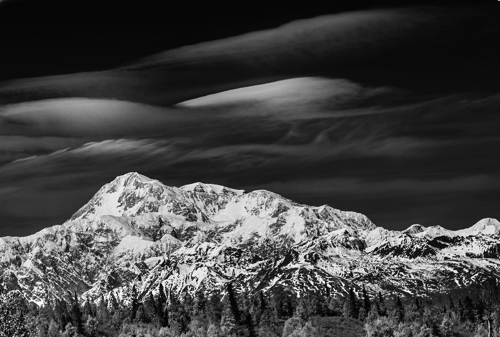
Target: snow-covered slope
135,230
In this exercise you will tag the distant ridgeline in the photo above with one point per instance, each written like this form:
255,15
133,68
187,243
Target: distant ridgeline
205,259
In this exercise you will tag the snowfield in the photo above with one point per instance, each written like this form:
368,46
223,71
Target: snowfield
137,231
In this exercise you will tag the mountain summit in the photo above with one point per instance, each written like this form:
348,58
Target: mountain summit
137,231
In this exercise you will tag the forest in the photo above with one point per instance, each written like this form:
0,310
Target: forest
233,313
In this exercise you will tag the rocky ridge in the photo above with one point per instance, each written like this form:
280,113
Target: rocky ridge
137,231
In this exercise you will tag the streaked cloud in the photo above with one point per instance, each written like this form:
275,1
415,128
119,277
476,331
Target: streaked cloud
315,140
381,111
417,47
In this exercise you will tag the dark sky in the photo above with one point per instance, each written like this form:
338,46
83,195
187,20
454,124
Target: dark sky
376,107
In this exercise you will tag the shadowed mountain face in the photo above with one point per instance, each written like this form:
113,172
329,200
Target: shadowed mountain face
135,231
392,112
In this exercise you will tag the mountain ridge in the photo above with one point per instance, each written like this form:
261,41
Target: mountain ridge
138,231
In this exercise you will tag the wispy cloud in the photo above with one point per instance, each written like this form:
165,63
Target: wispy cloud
355,147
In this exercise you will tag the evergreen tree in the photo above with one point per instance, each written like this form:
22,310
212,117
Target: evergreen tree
288,306
200,304
451,304
164,319
250,325
302,309
214,308
76,314
161,306
495,320
317,304
362,314
117,318
262,305
188,304
373,314
268,324
335,306
140,316
178,318
135,303
399,310
227,324
102,312
350,305
467,310
87,309
366,300
381,305
150,308
61,313
233,304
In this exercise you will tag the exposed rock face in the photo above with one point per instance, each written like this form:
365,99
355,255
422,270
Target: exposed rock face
138,231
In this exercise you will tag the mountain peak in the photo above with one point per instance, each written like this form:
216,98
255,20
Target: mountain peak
138,230
414,229
134,176
211,188
120,195
487,226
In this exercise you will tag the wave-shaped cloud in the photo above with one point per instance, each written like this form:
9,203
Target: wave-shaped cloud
358,143
418,47
379,104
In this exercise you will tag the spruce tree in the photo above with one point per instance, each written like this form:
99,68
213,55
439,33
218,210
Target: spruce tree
381,305
161,306
250,325
178,317
135,303
233,304
302,309
76,315
61,313
366,300
140,315
350,305
373,314
288,306
262,304
164,319
214,308
150,308
452,305
200,304
399,310
467,310
87,309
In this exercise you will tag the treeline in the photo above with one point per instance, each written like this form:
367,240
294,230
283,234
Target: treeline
230,313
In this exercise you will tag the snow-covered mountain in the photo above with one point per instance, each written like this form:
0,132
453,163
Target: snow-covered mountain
137,231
